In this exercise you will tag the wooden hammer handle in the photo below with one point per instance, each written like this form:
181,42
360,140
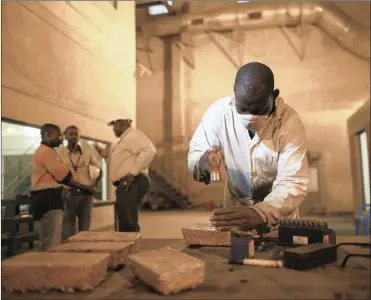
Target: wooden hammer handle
261,263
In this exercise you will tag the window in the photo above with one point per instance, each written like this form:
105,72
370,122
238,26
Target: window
365,166
159,9
19,143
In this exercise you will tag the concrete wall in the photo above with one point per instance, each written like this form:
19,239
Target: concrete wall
325,89
69,62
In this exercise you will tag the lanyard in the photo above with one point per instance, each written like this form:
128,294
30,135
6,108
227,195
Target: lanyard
75,167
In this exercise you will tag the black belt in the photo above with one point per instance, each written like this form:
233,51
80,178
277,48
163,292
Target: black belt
74,191
117,183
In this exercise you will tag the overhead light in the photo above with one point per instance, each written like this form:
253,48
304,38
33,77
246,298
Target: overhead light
242,1
159,9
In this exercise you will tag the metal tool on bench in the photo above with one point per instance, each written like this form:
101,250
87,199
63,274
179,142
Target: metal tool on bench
305,232
242,246
242,249
315,255
258,262
304,257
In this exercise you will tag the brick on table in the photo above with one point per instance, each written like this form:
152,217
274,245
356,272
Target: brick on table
167,270
108,236
41,271
118,251
205,235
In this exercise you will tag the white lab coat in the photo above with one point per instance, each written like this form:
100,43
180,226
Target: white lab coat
271,169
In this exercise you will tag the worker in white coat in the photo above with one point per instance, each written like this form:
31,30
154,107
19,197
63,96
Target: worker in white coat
262,146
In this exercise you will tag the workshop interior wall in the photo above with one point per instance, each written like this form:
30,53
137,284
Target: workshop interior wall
69,62
326,88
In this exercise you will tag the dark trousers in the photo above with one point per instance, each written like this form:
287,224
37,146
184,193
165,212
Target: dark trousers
77,205
128,203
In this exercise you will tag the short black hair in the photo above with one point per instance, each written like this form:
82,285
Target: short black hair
71,127
254,80
48,128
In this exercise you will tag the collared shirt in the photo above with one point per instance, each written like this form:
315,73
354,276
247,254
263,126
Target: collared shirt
271,168
78,163
47,169
132,154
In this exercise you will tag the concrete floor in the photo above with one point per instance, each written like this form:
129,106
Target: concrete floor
168,224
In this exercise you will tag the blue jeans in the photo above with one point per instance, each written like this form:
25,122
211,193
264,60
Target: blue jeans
78,205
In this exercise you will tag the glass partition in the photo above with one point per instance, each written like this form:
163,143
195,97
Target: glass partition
19,143
365,166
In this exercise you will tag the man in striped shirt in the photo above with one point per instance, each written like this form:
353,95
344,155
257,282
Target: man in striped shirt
79,205
48,173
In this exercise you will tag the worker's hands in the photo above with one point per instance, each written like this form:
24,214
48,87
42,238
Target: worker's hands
103,152
240,217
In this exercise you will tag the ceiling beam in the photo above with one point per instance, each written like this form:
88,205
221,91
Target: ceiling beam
144,4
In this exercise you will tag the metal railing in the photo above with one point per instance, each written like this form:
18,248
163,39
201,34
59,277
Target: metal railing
18,180
178,179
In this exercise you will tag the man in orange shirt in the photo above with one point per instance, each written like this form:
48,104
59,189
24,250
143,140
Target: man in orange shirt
48,173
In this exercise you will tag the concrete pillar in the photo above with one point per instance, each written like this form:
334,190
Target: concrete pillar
173,105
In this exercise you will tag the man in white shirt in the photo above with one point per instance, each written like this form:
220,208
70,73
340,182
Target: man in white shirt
78,204
262,144
129,162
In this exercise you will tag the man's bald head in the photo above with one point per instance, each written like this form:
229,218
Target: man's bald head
253,89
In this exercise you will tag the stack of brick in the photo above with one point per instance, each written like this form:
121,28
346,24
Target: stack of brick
167,270
40,271
118,251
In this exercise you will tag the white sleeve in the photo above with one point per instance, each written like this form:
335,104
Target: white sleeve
205,136
144,149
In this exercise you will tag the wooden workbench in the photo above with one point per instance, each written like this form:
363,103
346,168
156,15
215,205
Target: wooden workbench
224,281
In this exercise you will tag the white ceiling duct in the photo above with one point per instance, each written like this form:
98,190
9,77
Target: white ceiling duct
351,35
